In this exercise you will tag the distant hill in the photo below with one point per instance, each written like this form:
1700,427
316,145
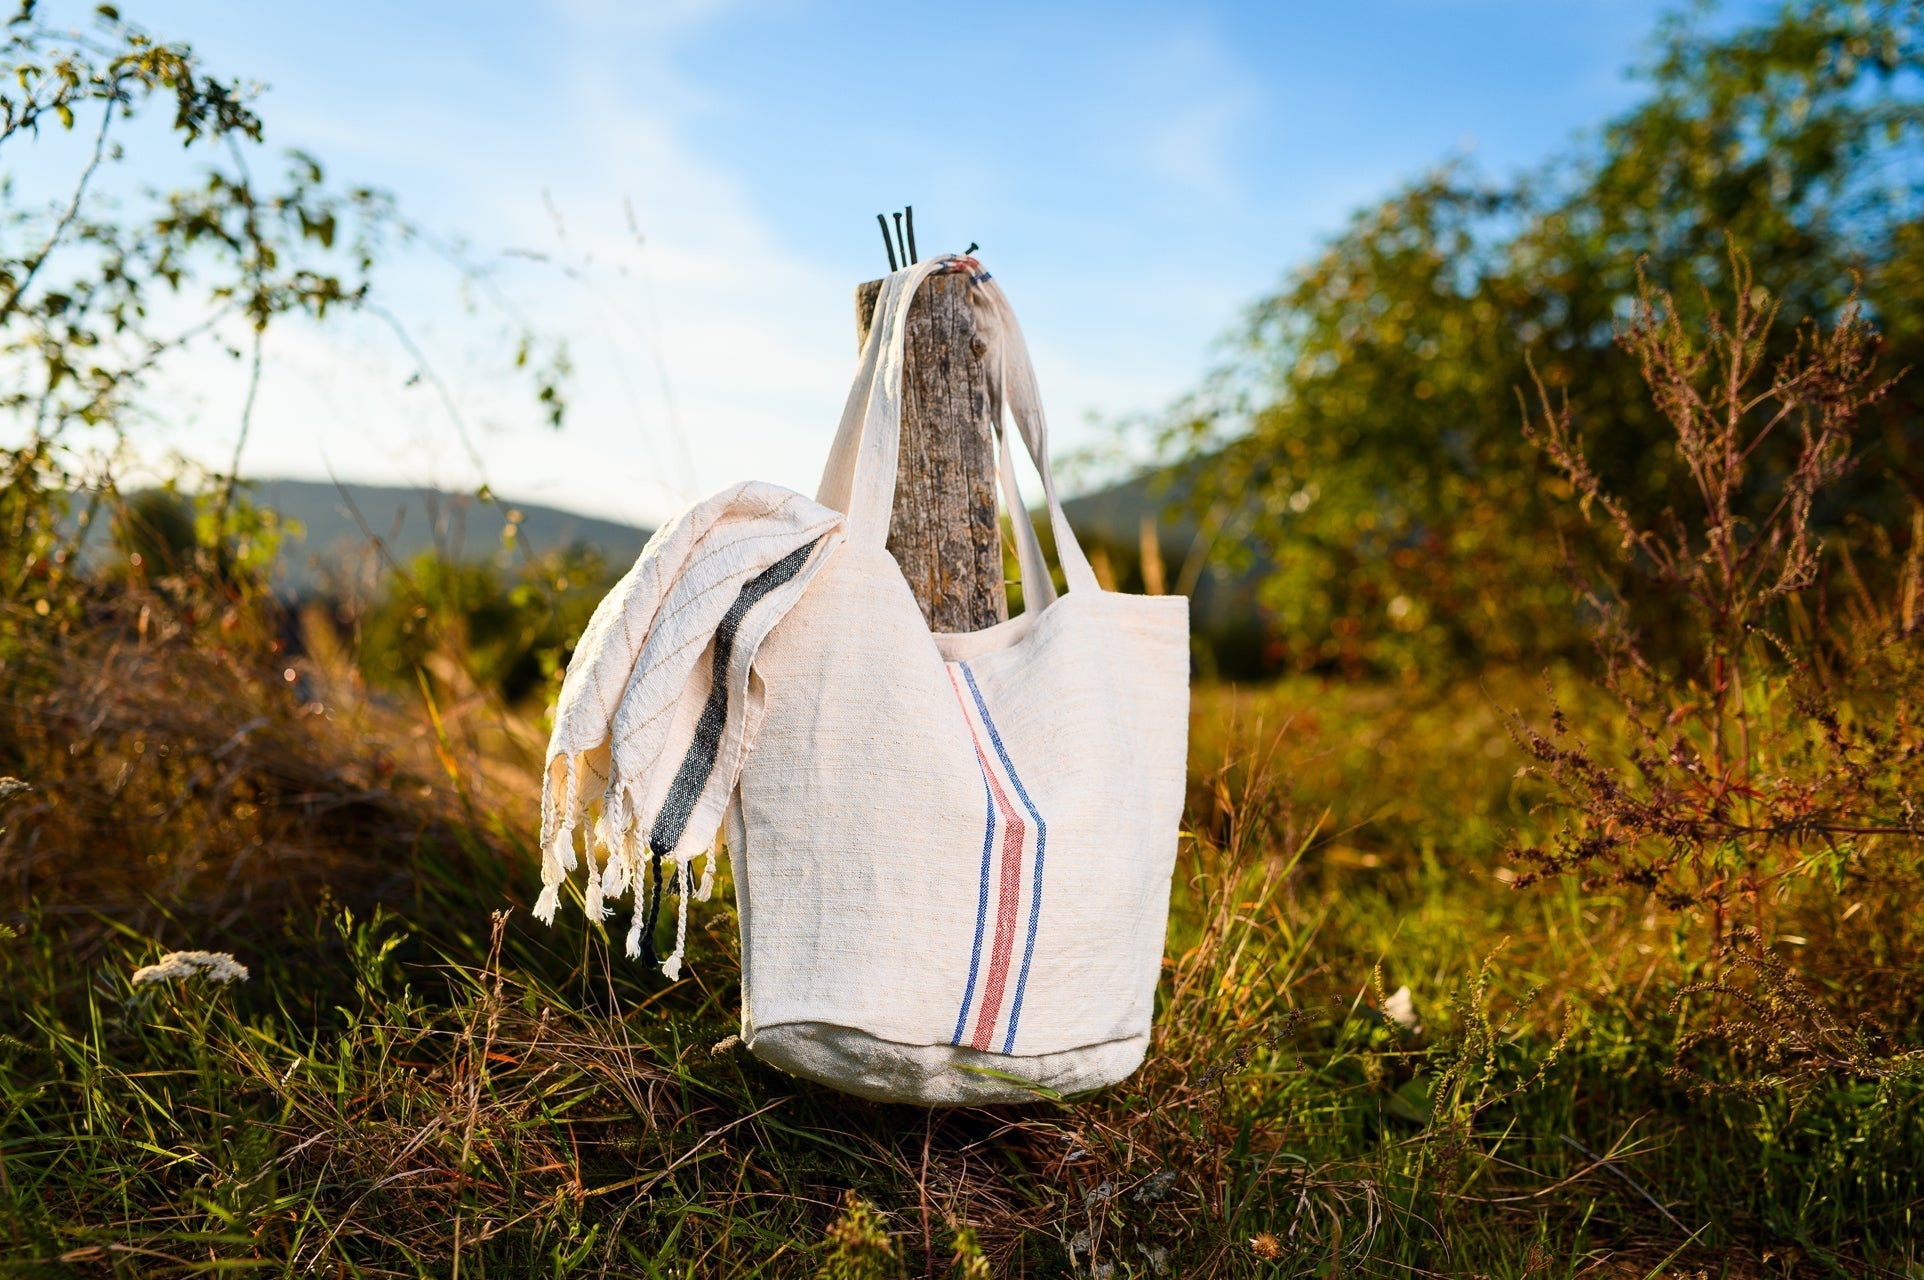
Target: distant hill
1224,613
336,555
410,520
1114,514
336,550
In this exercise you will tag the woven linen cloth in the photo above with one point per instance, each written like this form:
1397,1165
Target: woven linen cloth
658,707
952,853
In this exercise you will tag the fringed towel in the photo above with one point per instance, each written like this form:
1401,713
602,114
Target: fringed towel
657,712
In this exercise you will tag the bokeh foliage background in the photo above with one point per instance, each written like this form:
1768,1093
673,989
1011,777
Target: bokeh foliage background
1362,444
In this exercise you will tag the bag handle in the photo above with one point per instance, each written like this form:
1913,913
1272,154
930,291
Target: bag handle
1012,382
859,479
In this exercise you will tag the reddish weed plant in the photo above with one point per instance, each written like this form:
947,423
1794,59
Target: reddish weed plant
1761,777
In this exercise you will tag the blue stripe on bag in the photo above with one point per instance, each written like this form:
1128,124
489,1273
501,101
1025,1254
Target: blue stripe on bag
981,912
1041,844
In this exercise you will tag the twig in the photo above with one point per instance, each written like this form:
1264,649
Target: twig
240,441
648,1183
427,371
257,304
1634,1185
19,290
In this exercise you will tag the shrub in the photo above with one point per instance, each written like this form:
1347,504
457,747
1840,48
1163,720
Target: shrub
1761,774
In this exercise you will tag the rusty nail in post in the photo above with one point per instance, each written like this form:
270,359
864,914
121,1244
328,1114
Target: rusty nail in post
886,243
899,242
911,214
973,246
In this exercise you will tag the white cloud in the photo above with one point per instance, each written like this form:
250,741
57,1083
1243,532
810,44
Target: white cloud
706,340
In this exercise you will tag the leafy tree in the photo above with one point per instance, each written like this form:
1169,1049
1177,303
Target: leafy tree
1366,434
95,298
99,293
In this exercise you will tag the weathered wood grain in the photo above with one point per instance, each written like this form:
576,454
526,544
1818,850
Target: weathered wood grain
945,532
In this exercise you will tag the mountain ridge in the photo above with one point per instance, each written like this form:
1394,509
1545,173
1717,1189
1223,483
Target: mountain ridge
340,522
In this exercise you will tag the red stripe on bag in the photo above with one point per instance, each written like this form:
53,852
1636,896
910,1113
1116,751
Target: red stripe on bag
1009,894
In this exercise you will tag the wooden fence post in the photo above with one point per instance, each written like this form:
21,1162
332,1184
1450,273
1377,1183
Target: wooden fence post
945,531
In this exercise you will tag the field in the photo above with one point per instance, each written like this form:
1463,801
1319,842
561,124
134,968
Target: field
416,1079
1547,902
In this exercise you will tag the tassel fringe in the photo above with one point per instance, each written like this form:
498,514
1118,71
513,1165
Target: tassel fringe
616,861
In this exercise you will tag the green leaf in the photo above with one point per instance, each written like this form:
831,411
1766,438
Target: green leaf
1412,1101
1039,1090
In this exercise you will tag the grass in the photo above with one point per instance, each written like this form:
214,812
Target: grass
419,1080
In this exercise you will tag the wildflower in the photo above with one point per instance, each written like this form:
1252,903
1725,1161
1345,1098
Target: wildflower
969,1264
858,1241
725,1045
1266,1246
215,966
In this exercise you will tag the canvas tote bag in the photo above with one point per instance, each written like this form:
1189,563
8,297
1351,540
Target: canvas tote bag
952,853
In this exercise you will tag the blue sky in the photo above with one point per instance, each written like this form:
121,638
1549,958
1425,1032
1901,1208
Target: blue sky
1134,173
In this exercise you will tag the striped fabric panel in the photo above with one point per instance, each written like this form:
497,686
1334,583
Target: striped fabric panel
1006,840
982,895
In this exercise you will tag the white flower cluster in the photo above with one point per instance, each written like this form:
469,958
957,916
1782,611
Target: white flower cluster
215,966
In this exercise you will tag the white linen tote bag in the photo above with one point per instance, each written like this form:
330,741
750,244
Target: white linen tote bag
952,853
